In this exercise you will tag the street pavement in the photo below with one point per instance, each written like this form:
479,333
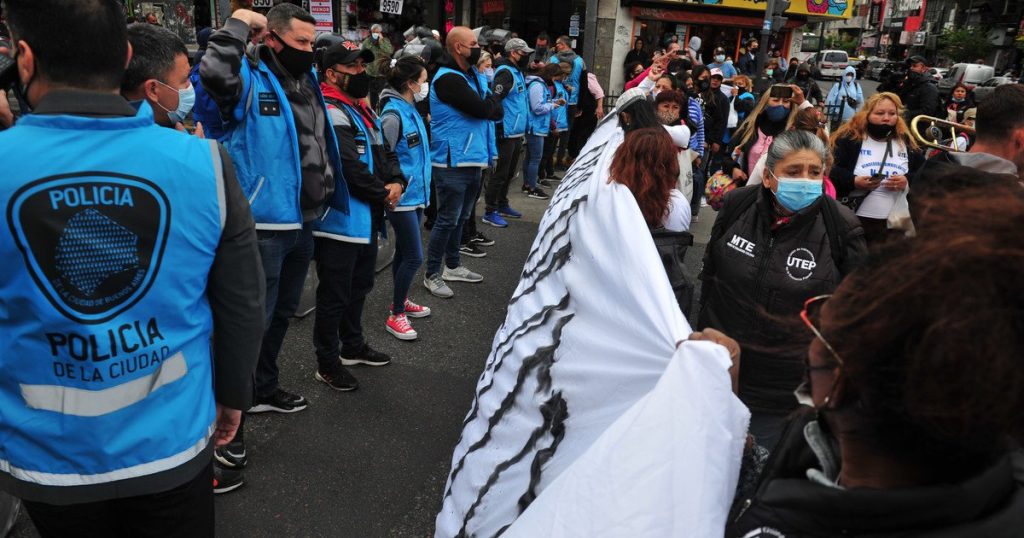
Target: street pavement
374,462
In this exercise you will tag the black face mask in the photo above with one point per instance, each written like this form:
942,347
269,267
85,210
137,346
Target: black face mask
802,76
296,62
474,55
879,132
357,86
524,62
704,85
541,51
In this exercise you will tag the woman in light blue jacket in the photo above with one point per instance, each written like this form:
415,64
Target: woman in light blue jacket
845,98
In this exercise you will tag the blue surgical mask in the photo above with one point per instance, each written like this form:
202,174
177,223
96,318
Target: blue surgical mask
489,73
720,58
776,113
186,100
795,193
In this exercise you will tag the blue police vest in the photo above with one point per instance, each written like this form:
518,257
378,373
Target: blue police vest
561,114
356,226
456,139
515,103
264,147
539,124
413,150
573,79
106,331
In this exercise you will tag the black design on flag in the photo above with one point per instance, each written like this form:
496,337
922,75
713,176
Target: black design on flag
92,241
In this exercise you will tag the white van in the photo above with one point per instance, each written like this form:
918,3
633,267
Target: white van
969,75
830,63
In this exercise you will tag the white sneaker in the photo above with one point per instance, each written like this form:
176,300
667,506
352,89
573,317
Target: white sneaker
436,285
460,274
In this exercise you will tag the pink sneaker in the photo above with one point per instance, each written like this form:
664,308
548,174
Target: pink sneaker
400,327
414,310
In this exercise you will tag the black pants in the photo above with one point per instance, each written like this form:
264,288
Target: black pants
185,511
547,159
469,228
582,128
497,184
563,137
431,211
346,272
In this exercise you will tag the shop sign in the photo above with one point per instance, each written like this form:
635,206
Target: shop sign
494,6
919,38
323,13
869,42
831,9
574,25
391,7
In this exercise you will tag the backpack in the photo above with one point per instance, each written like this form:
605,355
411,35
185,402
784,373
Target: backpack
671,247
835,225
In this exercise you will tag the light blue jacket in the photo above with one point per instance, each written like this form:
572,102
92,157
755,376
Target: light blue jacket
842,89
413,150
356,225
541,106
514,123
458,140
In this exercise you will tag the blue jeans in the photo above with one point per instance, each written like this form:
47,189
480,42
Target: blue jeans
457,190
408,254
285,255
534,151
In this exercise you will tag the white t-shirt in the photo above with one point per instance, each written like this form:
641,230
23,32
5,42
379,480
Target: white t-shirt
677,219
879,202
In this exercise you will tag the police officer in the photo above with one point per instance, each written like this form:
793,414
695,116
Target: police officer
119,271
346,244
510,131
278,127
462,145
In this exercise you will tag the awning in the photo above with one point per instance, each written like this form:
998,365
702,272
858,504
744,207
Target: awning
701,17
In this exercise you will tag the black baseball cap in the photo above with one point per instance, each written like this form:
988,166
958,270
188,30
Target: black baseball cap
345,53
916,59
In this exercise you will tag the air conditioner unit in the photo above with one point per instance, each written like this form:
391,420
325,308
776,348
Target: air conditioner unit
1000,37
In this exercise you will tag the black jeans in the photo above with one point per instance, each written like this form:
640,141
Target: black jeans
496,186
346,272
582,128
547,159
285,255
185,511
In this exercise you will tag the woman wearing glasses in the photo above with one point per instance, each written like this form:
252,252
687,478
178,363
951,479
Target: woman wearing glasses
772,246
916,392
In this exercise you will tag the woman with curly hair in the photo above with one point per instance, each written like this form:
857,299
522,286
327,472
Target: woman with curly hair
874,160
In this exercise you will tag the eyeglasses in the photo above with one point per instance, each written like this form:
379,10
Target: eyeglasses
809,315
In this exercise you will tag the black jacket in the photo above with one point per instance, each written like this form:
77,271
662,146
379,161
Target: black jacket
845,153
455,91
787,504
921,97
753,276
810,88
716,116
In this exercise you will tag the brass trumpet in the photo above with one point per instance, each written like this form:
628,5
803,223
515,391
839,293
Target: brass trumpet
938,133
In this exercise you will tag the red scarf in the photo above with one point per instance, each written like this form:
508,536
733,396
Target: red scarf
369,118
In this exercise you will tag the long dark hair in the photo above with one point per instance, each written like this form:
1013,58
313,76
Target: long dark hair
407,69
641,115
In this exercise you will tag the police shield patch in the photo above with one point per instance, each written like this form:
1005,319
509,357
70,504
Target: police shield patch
93,241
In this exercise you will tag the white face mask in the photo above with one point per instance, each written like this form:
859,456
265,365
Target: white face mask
376,36
422,94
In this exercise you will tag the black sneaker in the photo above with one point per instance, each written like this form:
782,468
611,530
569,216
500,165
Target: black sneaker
526,189
369,357
232,455
470,249
544,183
225,480
280,402
538,194
338,378
481,240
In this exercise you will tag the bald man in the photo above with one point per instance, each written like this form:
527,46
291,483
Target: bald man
462,144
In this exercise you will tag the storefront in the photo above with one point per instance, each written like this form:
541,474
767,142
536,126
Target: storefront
529,18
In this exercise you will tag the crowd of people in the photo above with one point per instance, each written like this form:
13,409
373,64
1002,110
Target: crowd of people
297,148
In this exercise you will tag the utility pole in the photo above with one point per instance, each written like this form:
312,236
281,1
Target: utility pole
774,19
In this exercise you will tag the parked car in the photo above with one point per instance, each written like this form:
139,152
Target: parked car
892,71
830,63
969,75
939,73
874,68
986,88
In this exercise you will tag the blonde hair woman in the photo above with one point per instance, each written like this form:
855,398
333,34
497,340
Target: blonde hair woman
874,160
